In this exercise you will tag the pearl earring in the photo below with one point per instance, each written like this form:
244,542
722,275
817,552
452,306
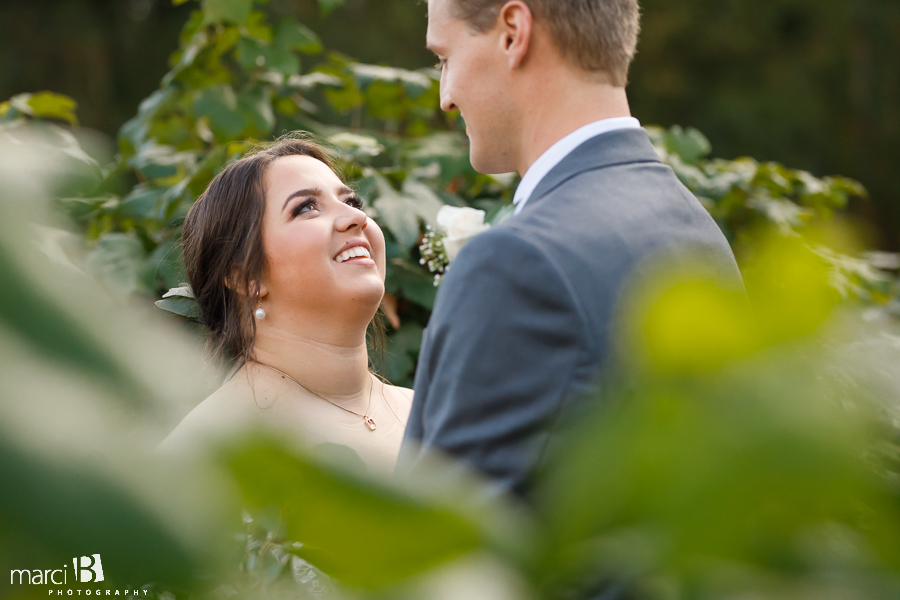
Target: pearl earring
260,313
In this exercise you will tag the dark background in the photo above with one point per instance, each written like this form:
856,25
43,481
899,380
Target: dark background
811,83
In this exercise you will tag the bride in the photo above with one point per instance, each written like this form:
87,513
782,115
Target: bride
289,272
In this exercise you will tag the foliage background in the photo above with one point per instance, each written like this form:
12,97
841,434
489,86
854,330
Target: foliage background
812,84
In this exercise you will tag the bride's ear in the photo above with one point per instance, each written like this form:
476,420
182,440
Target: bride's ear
232,283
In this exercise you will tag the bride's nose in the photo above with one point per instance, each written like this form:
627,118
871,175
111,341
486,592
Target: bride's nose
351,217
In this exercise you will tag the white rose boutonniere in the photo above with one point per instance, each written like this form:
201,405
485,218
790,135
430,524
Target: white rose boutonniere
459,225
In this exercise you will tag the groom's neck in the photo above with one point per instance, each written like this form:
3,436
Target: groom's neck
563,101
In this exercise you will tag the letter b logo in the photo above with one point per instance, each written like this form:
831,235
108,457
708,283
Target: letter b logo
91,570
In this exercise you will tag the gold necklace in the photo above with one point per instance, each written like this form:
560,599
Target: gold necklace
369,421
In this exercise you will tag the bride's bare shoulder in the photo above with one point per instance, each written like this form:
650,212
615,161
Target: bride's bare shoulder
226,410
402,397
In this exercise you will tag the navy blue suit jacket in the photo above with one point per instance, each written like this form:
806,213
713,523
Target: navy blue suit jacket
523,320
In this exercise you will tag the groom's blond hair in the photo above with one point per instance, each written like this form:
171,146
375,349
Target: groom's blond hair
596,35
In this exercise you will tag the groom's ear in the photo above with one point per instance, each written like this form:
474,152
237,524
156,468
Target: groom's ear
516,23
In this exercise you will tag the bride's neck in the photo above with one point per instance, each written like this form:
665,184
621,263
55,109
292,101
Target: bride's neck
331,360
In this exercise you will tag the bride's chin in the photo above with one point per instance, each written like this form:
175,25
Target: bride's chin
365,296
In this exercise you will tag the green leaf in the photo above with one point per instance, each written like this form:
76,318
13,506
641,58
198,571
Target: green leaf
141,202
61,507
185,307
117,259
292,35
412,282
219,104
345,99
402,350
414,82
398,215
326,6
39,319
386,100
164,268
256,105
254,54
160,162
401,213
360,531
356,147
689,144
221,11
48,105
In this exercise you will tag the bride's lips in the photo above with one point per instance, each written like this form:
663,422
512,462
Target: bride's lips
356,252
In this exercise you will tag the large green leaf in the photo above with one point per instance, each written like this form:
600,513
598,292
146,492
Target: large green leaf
254,54
364,533
402,212
718,472
117,259
411,283
256,105
52,511
219,104
45,326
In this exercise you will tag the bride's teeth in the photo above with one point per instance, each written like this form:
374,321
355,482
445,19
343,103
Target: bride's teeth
358,251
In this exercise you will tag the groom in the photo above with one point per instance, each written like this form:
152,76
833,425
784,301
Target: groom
523,322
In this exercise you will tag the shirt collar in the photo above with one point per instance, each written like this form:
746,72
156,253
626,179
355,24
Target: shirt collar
561,149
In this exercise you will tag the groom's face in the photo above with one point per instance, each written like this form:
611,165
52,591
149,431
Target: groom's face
474,80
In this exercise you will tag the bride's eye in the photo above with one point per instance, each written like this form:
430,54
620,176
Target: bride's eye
303,207
355,202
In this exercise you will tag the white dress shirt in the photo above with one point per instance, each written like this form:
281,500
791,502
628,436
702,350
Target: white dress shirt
561,149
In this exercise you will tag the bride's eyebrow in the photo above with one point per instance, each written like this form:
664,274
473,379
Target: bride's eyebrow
307,192
344,190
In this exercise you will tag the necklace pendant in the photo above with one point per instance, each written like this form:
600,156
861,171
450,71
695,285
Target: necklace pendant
370,423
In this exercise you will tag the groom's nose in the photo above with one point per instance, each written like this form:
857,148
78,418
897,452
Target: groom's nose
447,103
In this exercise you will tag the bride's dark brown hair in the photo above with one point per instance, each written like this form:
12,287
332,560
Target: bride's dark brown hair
223,246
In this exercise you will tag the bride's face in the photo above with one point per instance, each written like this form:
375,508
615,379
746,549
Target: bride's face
324,254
